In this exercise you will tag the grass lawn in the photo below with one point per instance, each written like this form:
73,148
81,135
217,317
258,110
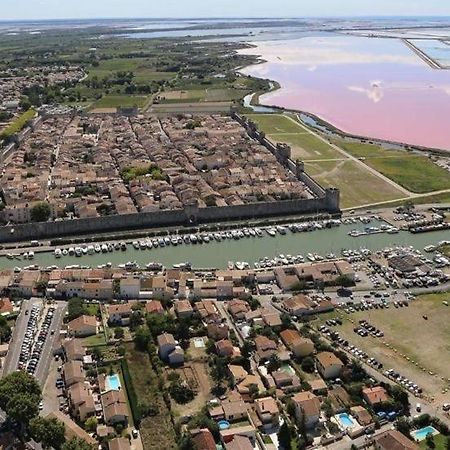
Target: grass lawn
409,335
275,123
96,339
92,309
440,442
116,101
357,185
156,432
366,150
305,146
415,173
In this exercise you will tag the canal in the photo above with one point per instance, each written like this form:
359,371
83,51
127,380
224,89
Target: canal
250,249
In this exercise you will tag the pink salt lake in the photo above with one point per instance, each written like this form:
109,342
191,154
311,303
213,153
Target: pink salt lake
366,86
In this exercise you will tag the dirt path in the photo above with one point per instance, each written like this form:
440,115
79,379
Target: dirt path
353,158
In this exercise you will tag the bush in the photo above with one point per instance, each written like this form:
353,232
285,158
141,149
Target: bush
181,392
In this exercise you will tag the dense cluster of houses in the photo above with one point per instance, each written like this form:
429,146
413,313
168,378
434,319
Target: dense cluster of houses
88,394
14,81
95,165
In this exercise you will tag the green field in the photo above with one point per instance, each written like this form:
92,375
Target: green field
357,185
18,124
415,173
156,431
366,150
306,146
143,69
116,101
275,124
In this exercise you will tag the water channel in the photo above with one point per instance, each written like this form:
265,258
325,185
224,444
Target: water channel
250,249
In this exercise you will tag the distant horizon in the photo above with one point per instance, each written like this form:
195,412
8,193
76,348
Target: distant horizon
87,19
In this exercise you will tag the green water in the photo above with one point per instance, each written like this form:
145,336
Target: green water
251,249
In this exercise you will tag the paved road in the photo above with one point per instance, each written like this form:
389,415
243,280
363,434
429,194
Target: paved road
12,358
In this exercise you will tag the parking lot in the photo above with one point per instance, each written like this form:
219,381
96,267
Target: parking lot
35,337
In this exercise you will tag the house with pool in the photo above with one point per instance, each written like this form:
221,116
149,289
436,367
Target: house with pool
348,424
393,439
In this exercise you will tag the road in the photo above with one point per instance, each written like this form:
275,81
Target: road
12,358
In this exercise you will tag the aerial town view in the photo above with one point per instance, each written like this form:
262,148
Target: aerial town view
225,225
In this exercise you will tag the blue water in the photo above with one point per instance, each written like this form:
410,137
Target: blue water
223,424
346,420
113,382
421,434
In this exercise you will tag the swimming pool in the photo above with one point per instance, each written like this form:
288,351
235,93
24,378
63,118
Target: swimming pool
223,424
345,420
112,382
420,435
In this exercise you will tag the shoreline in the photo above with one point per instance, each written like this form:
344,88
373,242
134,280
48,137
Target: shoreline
330,127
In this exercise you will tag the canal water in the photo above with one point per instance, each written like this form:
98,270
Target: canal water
251,249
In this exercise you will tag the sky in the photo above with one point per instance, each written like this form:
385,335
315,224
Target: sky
63,9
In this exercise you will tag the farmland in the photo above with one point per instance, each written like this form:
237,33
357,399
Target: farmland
116,101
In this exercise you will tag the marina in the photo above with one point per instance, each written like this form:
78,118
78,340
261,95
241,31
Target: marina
238,248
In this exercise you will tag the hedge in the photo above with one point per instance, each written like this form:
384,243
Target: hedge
132,397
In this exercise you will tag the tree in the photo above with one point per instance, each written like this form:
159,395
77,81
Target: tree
344,281
181,392
274,363
40,212
5,330
308,364
142,338
135,320
49,432
96,353
20,395
284,436
118,333
91,424
404,426
77,444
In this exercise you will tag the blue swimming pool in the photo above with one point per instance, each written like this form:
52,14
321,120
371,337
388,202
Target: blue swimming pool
223,424
420,435
345,420
112,382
